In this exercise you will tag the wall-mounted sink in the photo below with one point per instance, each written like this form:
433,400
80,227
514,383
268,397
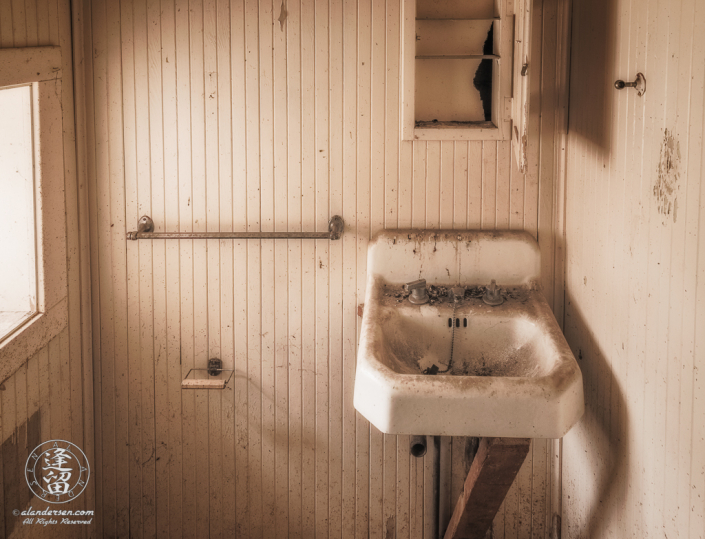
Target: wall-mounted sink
510,373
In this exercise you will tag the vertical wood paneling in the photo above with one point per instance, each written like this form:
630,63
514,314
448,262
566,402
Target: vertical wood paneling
185,403
633,311
295,439
336,262
132,306
308,269
159,525
377,143
321,260
349,268
106,428
172,451
220,119
281,299
363,188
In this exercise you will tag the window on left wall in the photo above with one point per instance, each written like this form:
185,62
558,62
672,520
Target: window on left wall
18,238
33,240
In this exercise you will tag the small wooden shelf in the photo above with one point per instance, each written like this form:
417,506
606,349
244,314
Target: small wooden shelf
202,379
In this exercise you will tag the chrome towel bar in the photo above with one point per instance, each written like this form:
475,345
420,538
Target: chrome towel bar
145,231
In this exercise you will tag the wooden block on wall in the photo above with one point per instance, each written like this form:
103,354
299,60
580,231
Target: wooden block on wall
492,473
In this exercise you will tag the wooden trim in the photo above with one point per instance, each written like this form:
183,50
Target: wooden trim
408,69
520,98
32,336
51,210
461,133
50,213
560,155
551,123
78,50
502,80
29,64
563,43
496,465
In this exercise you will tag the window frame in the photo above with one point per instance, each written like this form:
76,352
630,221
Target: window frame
40,67
502,96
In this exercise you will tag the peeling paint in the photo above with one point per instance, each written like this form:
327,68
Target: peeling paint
390,527
523,166
282,16
667,176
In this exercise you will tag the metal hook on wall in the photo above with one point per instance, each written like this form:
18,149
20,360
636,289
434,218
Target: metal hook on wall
639,84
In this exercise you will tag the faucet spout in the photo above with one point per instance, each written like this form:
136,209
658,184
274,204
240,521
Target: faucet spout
457,293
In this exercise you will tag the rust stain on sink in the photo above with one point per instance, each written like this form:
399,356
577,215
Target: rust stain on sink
414,343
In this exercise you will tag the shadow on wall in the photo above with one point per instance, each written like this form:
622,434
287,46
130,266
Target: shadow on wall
310,437
592,71
597,448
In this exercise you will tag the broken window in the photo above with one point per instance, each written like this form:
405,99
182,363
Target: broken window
454,64
457,69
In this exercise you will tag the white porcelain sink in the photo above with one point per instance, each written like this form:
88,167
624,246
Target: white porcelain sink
512,373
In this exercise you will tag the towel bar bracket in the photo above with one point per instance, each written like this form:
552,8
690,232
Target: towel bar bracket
145,224
335,227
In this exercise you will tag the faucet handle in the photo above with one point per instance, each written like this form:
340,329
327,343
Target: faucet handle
492,295
417,291
415,285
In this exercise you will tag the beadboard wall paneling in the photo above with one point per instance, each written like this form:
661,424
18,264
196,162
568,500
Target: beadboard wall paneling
38,403
51,395
635,292
211,115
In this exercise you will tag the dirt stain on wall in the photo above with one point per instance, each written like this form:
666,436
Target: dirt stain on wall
390,528
667,177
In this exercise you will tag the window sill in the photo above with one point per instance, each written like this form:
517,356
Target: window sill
10,321
459,131
30,337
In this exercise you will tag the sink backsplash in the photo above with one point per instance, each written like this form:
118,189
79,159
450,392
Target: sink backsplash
446,257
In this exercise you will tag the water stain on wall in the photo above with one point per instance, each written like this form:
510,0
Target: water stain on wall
667,176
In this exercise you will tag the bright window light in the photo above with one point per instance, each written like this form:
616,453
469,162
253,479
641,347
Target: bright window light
18,264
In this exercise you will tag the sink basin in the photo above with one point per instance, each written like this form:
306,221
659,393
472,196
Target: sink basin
463,368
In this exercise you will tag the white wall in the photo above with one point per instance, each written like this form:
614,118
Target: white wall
635,293
207,116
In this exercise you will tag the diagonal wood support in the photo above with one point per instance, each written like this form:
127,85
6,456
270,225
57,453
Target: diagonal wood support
492,472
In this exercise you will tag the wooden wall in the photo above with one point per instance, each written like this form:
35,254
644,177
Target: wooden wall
207,115
44,400
50,396
635,292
